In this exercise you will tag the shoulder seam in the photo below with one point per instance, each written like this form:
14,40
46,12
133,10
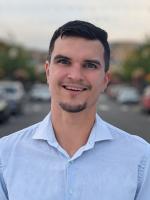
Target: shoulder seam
141,168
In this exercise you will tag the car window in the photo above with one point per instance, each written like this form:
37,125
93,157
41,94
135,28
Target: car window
10,90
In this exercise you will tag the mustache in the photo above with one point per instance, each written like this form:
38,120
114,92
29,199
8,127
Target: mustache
79,83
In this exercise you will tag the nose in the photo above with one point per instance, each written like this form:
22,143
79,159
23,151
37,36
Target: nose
75,72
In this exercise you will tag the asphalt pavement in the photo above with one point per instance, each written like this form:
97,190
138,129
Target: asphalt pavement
130,118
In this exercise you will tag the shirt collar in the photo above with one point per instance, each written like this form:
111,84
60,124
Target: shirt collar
45,131
99,132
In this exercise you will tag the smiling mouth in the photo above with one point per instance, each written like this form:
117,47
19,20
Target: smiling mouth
74,88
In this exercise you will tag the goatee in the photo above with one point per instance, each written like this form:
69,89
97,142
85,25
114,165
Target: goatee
72,109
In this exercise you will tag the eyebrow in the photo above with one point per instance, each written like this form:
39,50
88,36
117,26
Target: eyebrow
85,61
93,61
60,56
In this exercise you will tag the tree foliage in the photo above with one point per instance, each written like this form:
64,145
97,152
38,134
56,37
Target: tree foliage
13,58
138,60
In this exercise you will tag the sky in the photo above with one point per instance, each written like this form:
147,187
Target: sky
32,22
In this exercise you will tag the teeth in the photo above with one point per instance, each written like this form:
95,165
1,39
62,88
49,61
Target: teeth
72,88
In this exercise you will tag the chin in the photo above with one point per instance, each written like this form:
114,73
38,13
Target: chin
73,108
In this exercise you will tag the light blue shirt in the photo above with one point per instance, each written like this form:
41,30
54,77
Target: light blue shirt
113,165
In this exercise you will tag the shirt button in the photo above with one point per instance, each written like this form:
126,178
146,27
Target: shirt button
70,161
70,192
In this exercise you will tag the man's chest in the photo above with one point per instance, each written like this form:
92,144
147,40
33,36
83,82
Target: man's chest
103,180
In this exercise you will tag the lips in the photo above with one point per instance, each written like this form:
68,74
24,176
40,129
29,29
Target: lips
76,88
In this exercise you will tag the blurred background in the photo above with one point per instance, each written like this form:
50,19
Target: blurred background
25,31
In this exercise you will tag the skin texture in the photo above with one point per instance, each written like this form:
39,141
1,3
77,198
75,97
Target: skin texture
76,77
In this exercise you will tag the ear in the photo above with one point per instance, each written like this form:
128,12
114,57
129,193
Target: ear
107,79
47,70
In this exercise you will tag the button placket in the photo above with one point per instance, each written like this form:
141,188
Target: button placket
69,179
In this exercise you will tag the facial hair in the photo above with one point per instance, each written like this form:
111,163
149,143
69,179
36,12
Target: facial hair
73,109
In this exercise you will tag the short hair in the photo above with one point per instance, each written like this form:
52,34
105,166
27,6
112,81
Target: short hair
85,30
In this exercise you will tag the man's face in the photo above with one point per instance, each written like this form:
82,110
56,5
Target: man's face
76,73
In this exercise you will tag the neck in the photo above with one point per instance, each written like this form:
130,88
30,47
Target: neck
72,129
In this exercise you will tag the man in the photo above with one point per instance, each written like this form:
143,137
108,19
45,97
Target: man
73,153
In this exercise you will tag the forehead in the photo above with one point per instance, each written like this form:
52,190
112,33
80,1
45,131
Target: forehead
78,46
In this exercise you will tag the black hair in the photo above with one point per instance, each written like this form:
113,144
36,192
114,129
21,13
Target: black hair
85,30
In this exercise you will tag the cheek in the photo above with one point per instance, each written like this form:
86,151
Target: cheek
99,84
57,72
55,77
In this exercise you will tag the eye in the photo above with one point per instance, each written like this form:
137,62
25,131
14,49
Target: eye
63,61
90,65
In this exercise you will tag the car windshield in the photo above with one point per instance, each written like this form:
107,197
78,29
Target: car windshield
10,90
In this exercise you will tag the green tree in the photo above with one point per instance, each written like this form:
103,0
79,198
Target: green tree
139,59
13,59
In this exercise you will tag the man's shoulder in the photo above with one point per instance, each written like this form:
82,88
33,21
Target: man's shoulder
123,142
127,140
7,142
119,134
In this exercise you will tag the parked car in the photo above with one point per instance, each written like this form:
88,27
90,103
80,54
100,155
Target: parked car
129,95
14,94
113,90
146,99
40,92
4,109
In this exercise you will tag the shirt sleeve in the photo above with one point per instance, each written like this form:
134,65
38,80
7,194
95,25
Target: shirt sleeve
3,190
144,177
